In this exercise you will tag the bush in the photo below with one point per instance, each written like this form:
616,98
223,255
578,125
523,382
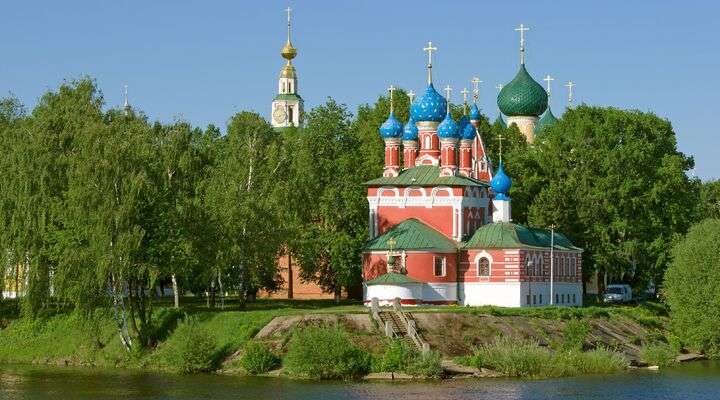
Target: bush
574,335
191,348
396,357
692,290
658,354
325,353
258,359
512,357
426,365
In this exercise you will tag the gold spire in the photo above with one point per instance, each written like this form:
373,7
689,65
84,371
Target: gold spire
288,51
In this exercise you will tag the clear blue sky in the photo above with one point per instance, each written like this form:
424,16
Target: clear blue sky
204,60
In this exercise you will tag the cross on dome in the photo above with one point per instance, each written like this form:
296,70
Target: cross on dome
448,90
476,87
391,89
464,93
500,139
570,86
411,95
288,10
548,79
522,29
429,49
126,104
499,87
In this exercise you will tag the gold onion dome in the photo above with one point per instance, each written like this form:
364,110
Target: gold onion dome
288,71
288,51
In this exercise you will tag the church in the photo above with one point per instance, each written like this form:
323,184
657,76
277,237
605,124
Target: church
440,220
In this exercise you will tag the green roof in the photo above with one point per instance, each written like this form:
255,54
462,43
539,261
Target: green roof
288,97
391,278
548,119
425,175
411,234
508,235
523,96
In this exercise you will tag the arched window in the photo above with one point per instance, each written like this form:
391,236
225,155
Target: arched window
427,142
290,115
484,267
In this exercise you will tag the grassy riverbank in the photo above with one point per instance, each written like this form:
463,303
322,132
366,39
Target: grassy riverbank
318,339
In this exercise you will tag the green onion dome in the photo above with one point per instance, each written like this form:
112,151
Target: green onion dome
522,96
547,120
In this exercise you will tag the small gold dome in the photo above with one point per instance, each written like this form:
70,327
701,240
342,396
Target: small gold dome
288,71
288,52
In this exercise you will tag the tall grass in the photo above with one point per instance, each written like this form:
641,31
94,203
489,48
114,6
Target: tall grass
518,358
660,354
401,356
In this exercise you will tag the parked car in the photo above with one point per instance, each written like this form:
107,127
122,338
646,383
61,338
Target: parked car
617,293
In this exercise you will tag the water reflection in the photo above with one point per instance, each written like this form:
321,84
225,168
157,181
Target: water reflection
697,381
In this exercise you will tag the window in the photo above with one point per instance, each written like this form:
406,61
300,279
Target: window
539,265
557,298
439,269
427,142
484,267
528,299
540,298
290,114
562,298
574,299
534,299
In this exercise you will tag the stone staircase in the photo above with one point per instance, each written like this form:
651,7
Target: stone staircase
398,324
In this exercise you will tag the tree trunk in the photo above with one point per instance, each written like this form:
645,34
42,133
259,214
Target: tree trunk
338,293
212,293
290,277
175,291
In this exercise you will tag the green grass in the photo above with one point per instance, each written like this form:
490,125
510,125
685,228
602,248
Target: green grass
325,353
660,354
517,358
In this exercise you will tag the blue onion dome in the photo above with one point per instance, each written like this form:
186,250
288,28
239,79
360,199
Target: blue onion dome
431,106
410,132
523,96
474,112
464,120
501,183
468,132
548,119
392,128
448,128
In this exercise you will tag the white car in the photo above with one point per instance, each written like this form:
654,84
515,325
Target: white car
617,293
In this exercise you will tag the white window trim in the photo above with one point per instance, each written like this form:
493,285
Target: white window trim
483,254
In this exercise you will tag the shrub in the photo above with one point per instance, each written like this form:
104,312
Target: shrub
574,335
512,357
258,358
692,290
396,357
191,348
325,353
426,365
658,354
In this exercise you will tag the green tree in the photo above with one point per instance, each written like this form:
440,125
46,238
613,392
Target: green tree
614,181
242,201
709,204
330,208
692,287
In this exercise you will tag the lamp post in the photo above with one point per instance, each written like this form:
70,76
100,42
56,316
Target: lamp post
552,264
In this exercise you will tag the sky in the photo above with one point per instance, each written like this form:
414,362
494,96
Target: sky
202,61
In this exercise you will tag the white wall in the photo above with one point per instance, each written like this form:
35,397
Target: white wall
514,294
388,293
439,292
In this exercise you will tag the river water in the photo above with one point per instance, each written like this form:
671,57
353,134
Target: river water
698,380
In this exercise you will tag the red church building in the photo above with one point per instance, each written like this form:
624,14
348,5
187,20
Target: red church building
440,228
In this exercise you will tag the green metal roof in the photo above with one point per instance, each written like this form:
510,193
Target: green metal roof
508,235
288,97
411,234
391,278
548,119
523,96
425,175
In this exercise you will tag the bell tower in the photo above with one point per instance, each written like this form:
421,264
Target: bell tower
287,107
